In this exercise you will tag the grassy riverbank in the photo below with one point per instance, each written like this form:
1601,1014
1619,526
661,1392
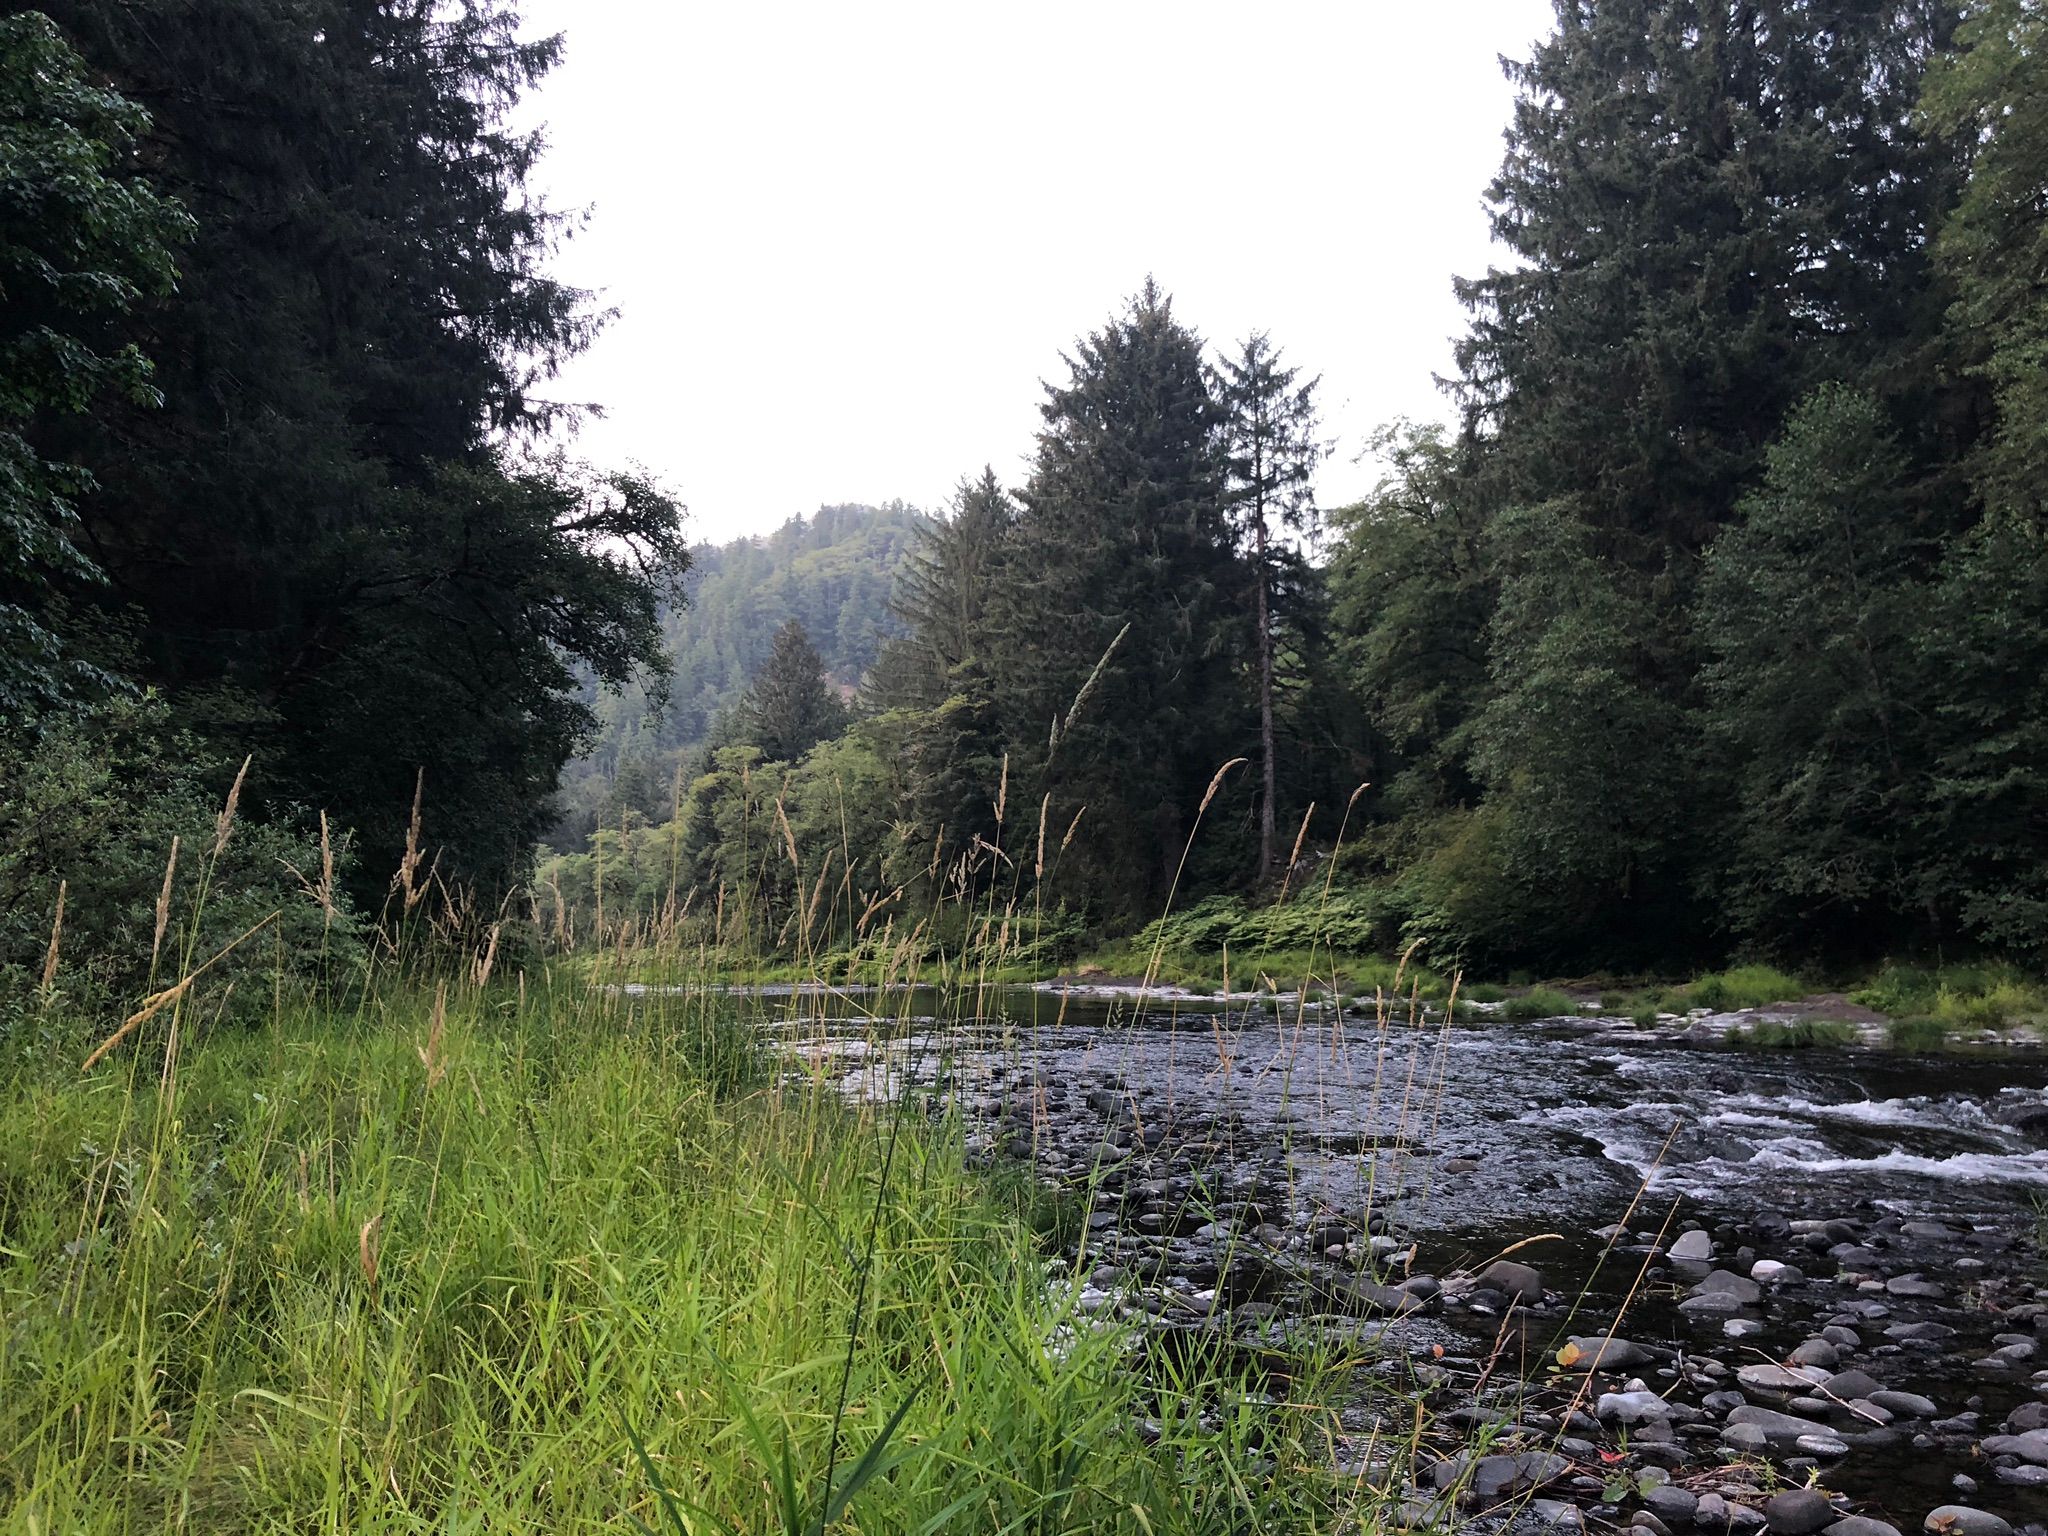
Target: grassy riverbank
412,1267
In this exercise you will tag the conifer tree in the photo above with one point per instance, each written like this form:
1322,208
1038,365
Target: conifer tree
1273,450
1125,530
789,707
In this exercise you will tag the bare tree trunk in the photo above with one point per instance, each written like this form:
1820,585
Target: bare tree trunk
1266,753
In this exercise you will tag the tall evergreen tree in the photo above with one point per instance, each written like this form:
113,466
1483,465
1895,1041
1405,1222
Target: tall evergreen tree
82,240
1125,531
343,560
789,707
1715,207
1273,450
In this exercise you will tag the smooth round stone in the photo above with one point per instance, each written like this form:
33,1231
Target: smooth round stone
1798,1512
1674,1506
1741,1327
1961,1520
1643,1520
1815,1352
1824,1446
1696,1246
1859,1525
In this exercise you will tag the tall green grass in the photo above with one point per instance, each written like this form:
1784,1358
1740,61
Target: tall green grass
360,1271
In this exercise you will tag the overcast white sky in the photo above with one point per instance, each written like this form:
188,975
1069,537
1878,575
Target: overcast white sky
848,241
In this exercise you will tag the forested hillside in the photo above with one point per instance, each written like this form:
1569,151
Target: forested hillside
832,572
1714,625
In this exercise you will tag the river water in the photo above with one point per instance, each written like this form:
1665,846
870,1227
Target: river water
1466,1138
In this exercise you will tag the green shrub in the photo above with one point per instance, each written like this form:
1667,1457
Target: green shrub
1743,986
1539,1003
1645,1017
1485,992
92,808
1916,1034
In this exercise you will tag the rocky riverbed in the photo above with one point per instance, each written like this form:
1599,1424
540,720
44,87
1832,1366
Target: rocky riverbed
1643,1278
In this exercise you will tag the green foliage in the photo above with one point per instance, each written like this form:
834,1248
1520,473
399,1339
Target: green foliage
1539,1003
1957,996
788,707
93,806
82,240
832,572
1797,1035
1808,609
1742,986
502,1257
339,552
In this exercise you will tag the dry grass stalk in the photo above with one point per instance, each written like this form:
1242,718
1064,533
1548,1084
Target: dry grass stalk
788,836
56,937
1216,783
489,957
1294,856
157,1002
1044,807
163,906
406,880
1072,827
226,821
432,1056
370,1247
1003,790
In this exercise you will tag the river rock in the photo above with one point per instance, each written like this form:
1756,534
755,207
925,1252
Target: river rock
1741,1327
1605,1353
1674,1506
1780,1378
1518,1282
1493,1476
1907,1405
2025,1417
1715,1513
1961,1520
1711,1304
1815,1352
1729,1283
1850,1385
1798,1512
1644,1520
1631,1408
1777,1428
1696,1246
1914,1287
2030,1446
1859,1525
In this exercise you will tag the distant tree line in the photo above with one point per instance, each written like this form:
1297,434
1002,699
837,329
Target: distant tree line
1718,621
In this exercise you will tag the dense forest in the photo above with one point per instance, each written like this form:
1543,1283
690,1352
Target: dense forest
1715,622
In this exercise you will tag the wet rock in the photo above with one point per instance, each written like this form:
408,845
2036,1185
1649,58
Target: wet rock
1644,1520
1696,1246
1727,1282
1847,1386
1711,1304
1859,1525
1599,1352
1631,1408
2022,1476
1741,1327
1780,1378
2027,1416
1555,1514
1907,1405
2032,1445
1826,1447
1961,1520
1815,1352
1842,1336
1915,1287
1798,1512
1674,1506
1777,1428
1518,1282
1715,1513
